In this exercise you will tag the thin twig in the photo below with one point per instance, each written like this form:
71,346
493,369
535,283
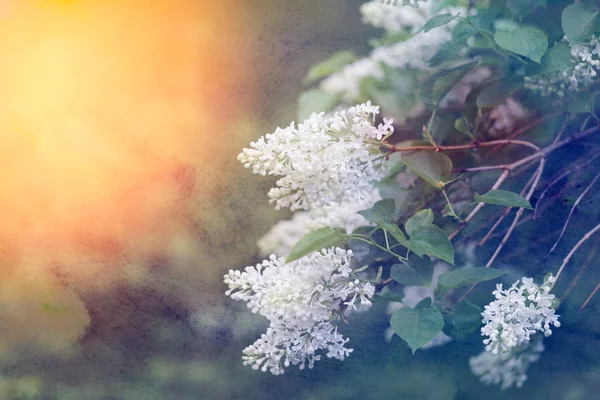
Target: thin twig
589,297
523,161
564,228
562,130
560,177
531,216
383,284
573,250
478,207
575,280
538,176
520,211
555,146
393,149
506,212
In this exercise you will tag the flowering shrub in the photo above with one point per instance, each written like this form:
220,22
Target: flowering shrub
325,159
299,299
406,165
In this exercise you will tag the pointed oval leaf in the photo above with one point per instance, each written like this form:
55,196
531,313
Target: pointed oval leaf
558,58
433,167
425,303
462,320
438,84
433,241
438,20
465,276
417,326
388,294
322,238
462,125
417,272
576,20
503,198
495,94
520,8
381,212
396,233
527,41
422,218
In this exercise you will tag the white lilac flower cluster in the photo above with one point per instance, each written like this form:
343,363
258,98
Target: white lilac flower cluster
412,3
517,313
324,160
506,369
585,60
285,234
414,52
301,300
394,19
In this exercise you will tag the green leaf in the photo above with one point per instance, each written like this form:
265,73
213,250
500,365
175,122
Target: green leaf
438,20
322,238
388,294
462,320
438,84
422,218
527,41
417,272
326,67
315,100
381,212
503,198
447,51
433,241
465,276
462,125
558,58
396,233
495,94
451,50
425,303
521,8
577,20
417,326
367,253
433,167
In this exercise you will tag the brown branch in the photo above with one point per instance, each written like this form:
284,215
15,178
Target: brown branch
524,161
575,280
520,211
478,207
562,130
560,177
589,297
506,211
564,228
393,149
536,180
573,250
383,284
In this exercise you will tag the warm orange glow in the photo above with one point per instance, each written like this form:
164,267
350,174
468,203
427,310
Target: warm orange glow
108,111
104,114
